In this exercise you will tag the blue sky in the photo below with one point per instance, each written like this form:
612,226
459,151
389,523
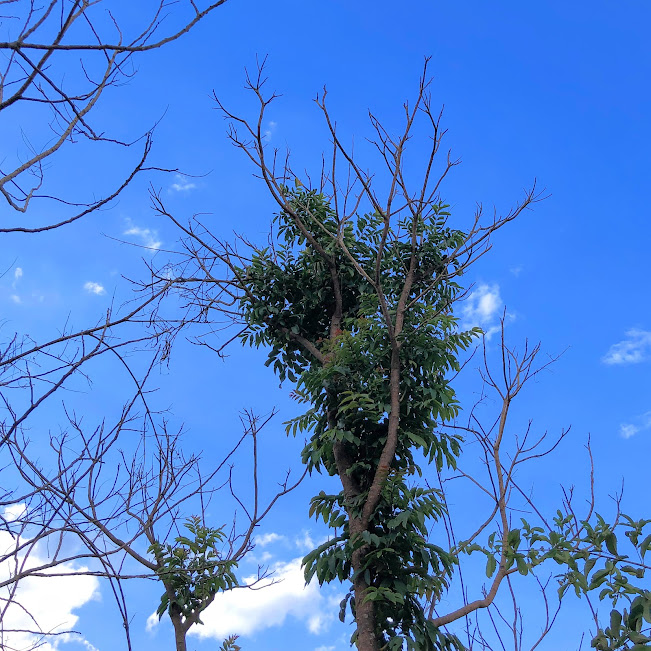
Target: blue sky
554,91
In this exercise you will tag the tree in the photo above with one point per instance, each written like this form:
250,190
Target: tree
49,101
116,498
354,299
51,104
520,539
355,306
60,59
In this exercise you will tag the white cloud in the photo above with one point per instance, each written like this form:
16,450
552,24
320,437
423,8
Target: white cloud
148,236
85,643
18,274
94,288
246,611
16,299
268,538
482,309
632,350
152,622
628,430
45,603
305,542
182,184
14,511
269,131
325,648
516,271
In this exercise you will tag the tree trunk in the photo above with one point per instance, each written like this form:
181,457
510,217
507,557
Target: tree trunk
179,631
365,619
364,612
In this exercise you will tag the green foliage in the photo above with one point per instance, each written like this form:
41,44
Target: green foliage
193,571
289,299
401,566
625,630
340,363
589,559
229,644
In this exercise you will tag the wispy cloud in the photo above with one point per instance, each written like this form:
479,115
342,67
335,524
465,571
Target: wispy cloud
21,295
634,349
269,131
628,430
482,309
18,274
268,538
305,542
182,184
85,643
94,288
148,236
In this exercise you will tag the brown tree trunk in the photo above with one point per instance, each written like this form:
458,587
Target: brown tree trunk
364,611
179,631
365,619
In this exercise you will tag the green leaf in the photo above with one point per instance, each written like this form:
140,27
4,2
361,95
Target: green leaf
491,564
615,622
514,538
523,566
611,543
598,578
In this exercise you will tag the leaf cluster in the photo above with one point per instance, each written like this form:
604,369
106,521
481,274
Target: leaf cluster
229,644
291,295
192,570
400,565
589,555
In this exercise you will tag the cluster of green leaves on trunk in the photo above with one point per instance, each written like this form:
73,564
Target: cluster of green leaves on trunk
401,567
290,299
192,570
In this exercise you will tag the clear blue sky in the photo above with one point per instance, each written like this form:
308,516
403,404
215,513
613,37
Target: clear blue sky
555,91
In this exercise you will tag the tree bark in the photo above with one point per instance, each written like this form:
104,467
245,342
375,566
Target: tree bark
365,618
179,631
364,611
